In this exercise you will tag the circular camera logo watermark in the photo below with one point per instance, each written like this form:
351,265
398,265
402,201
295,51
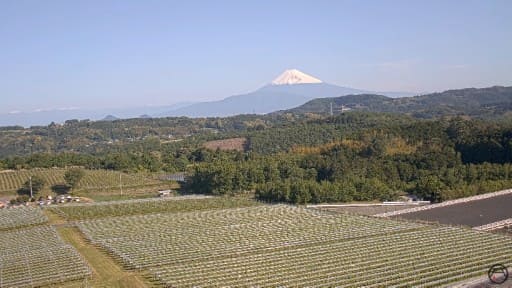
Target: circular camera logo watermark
498,273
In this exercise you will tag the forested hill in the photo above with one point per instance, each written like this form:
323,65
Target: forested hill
361,156
489,102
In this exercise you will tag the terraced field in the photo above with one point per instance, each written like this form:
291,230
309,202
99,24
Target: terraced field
288,246
35,256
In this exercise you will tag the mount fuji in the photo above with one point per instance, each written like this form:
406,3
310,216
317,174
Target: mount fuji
294,76
290,89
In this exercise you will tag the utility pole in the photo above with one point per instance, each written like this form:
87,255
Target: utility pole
120,184
31,193
331,109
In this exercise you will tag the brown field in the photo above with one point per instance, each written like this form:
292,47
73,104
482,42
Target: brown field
237,144
473,213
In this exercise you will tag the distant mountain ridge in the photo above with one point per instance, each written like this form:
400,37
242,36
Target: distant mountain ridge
45,117
288,90
478,102
264,100
110,118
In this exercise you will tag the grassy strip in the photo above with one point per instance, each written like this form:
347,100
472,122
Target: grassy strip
106,272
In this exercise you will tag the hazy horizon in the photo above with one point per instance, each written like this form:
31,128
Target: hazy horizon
106,54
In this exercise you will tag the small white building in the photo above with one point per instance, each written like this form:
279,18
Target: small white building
164,193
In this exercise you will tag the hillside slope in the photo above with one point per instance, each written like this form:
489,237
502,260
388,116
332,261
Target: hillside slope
483,102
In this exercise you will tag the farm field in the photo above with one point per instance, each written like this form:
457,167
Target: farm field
148,206
472,213
36,256
20,217
10,181
283,245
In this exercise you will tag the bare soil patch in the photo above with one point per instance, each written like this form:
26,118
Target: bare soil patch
237,144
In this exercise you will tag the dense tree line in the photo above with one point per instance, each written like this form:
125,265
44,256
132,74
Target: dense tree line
94,137
355,156
366,157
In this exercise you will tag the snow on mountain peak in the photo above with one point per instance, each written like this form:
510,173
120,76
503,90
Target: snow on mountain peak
294,76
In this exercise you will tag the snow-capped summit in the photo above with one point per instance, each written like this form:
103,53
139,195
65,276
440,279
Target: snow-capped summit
294,76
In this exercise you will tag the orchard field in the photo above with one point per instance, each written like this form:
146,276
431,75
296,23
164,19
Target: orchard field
148,206
94,180
280,245
35,256
199,241
21,217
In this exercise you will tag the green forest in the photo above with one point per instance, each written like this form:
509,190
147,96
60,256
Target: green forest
486,103
364,157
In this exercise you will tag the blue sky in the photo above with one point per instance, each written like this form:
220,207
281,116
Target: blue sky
89,54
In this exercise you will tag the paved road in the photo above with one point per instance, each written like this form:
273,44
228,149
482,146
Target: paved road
473,213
